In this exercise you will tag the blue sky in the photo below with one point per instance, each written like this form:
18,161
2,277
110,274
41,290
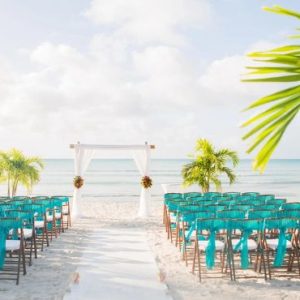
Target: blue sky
109,71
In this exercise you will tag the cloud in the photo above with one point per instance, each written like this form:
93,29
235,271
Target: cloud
135,81
150,20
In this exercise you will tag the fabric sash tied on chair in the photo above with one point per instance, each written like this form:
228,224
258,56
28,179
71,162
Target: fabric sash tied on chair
243,246
281,248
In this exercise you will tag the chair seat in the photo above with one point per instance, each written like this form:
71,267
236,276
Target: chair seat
27,233
65,210
203,245
12,245
39,224
49,218
173,218
57,215
252,245
273,244
192,236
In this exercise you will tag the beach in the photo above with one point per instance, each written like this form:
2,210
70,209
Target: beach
56,270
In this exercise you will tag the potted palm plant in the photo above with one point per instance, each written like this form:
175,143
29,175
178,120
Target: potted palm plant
207,165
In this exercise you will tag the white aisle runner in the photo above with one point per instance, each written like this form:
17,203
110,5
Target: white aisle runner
118,265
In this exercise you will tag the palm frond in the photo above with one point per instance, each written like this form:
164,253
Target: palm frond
281,65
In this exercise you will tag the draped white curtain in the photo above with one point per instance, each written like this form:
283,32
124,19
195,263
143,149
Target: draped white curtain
142,160
82,160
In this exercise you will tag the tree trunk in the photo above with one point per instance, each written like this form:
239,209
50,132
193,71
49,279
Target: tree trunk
15,186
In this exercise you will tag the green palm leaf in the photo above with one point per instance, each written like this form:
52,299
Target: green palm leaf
280,65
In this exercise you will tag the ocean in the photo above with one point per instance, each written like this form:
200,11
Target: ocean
119,178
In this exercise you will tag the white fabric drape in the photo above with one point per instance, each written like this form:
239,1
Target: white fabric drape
82,160
142,160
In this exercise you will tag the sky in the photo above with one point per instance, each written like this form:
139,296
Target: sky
125,72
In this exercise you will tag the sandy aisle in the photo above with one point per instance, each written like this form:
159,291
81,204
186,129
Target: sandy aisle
51,274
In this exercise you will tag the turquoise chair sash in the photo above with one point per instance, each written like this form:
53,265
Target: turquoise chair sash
212,226
7,224
283,225
247,227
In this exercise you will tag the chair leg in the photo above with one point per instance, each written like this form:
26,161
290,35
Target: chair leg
31,250
19,266
194,257
23,256
268,263
34,243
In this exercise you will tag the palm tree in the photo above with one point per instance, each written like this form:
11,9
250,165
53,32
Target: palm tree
17,168
280,65
207,165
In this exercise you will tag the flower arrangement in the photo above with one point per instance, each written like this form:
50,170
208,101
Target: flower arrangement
146,182
78,182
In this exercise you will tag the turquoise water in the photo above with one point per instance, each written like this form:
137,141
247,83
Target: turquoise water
119,178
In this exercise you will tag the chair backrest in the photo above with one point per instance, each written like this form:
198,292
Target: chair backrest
244,207
290,205
266,197
191,194
194,198
261,214
219,199
276,201
215,207
169,196
268,207
210,195
64,199
295,213
192,216
231,214
232,194
36,208
251,194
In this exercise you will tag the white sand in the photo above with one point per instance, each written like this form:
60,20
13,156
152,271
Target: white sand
51,274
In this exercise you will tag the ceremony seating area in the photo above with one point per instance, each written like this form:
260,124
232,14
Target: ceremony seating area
234,235
28,225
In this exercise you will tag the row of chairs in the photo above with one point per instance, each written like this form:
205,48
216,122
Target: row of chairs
257,234
28,224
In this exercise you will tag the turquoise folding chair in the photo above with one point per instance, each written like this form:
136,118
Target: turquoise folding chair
27,218
40,225
66,211
246,244
188,228
285,243
170,197
13,245
209,246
